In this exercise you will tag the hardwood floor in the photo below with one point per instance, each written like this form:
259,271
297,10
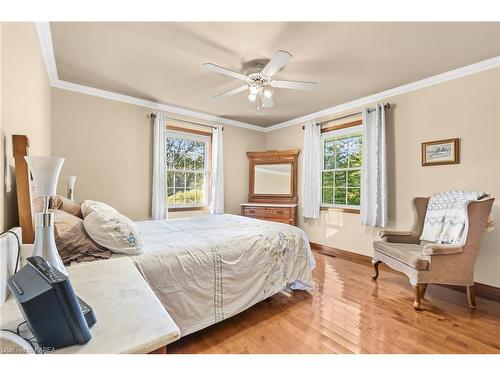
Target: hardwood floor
350,313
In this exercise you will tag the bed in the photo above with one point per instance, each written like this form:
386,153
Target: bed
206,269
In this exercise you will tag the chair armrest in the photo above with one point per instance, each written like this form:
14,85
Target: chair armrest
442,249
399,237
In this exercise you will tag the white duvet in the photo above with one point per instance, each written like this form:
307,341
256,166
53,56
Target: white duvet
208,268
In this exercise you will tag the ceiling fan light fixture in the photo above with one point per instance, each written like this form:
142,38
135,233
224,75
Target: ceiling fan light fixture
268,92
254,89
259,79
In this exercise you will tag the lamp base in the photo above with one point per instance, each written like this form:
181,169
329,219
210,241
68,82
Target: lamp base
45,245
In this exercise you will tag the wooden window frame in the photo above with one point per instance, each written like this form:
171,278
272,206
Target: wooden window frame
328,129
208,159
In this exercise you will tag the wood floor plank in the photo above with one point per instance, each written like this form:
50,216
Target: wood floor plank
349,313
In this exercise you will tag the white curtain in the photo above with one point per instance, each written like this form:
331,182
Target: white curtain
217,183
374,169
312,171
159,208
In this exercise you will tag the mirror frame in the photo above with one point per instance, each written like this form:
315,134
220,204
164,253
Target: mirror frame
273,157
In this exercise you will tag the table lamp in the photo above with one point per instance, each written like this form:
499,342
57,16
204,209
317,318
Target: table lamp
70,183
45,171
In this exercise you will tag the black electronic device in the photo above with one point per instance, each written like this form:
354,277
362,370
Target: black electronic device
55,315
87,311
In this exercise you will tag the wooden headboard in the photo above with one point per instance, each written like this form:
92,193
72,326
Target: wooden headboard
27,201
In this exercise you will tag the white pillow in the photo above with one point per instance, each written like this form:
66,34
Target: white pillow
114,231
89,206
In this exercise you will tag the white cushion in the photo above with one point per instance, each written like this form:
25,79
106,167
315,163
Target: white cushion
110,229
89,206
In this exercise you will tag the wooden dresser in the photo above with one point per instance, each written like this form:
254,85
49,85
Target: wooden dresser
272,190
283,213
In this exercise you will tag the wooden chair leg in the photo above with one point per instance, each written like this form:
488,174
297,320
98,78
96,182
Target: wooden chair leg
422,292
375,266
470,296
419,290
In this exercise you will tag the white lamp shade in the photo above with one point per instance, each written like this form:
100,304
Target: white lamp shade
45,171
70,182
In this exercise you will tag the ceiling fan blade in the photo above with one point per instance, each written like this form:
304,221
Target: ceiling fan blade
231,92
279,60
227,72
294,85
267,102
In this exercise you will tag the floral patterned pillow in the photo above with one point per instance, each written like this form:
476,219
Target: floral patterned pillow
114,231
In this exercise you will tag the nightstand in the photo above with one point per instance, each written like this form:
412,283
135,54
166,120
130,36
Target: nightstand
130,318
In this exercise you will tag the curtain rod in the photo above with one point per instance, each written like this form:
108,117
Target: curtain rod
386,107
152,115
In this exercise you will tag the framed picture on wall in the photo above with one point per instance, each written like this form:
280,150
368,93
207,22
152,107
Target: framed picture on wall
445,151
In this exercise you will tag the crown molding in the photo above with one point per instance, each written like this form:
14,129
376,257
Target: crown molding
169,109
47,48
426,82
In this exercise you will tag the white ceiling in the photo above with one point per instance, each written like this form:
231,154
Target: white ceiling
162,62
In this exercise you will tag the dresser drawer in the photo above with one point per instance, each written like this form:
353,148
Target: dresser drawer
278,214
254,211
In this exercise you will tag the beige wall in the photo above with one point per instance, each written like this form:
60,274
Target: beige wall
24,108
467,108
237,142
108,146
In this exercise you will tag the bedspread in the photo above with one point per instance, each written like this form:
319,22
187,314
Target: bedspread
205,269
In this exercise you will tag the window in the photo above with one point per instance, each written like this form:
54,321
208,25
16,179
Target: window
341,176
187,169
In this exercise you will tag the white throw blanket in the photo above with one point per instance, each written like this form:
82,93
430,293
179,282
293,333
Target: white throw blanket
446,216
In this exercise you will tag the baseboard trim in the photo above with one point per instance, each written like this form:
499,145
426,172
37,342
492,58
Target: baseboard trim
343,254
481,290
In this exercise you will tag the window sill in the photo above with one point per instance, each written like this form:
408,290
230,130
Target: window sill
341,209
181,209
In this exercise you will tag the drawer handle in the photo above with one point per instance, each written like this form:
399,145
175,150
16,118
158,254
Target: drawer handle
251,211
281,212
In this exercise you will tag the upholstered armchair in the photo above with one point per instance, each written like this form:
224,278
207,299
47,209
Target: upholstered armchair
431,263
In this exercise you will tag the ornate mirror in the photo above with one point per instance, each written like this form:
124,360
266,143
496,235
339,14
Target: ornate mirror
273,176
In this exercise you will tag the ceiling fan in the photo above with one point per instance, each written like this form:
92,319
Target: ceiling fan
259,79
